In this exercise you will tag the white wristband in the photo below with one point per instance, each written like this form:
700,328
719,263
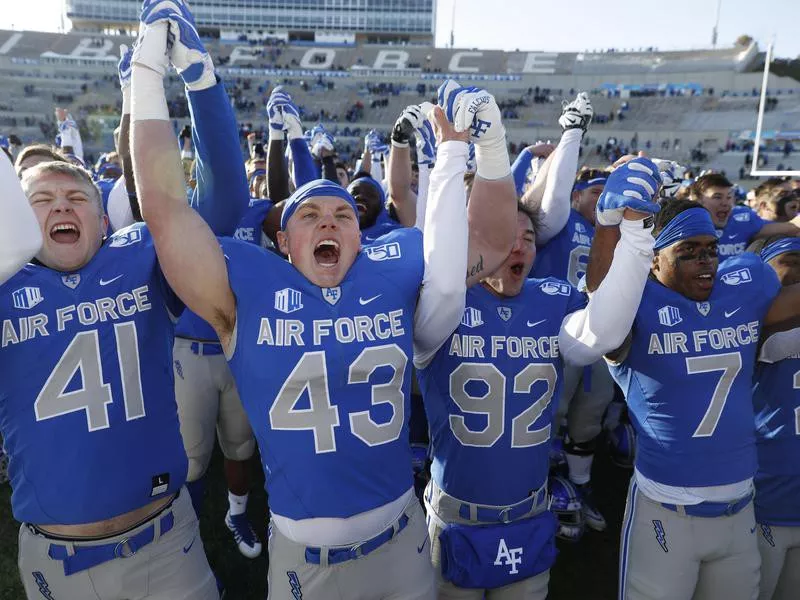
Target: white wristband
276,134
492,159
147,95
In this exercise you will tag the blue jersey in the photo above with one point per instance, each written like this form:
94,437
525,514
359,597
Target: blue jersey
87,408
688,377
105,186
190,325
250,227
382,225
492,390
567,254
743,225
324,375
776,397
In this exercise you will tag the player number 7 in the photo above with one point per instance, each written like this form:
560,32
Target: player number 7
730,364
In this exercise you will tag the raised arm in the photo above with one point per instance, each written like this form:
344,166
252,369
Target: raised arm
627,204
492,207
221,195
20,234
442,297
124,144
412,121
188,252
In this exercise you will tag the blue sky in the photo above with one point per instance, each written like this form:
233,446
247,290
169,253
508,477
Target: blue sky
559,25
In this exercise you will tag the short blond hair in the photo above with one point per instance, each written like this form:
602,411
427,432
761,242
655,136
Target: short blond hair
79,174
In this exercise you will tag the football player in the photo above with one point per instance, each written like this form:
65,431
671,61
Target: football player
776,396
736,225
563,253
87,337
19,230
488,394
320,346
686,370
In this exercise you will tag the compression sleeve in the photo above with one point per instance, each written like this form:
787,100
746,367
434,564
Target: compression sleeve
119,207
519,170
221,195
443,294
586,335
305,169
557,197
422,196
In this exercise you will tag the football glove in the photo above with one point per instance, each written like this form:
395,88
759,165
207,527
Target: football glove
672,175
633,185
409,121
576,114
474,109
124,66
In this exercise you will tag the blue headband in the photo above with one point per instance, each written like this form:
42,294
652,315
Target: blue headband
782,246
371,181
256,173
314,189
689,223
582,185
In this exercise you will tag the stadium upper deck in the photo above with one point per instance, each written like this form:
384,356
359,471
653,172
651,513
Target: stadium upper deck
699,97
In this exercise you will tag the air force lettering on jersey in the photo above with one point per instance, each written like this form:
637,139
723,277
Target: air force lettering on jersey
317,419
492,384
78,376
742,226
707,353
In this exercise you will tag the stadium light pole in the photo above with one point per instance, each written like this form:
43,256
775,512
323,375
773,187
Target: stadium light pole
716,25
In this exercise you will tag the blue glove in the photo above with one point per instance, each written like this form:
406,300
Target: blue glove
176,6
633,185
124,66
276,100
426,144
186,51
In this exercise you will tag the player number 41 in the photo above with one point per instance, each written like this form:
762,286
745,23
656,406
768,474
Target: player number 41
94,396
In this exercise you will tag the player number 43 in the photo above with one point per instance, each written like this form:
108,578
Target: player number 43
311,374
83,355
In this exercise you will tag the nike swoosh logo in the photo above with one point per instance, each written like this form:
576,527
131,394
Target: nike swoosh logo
106,282
535,324
420,548
733,237
733,312
753,530
363,302
189,547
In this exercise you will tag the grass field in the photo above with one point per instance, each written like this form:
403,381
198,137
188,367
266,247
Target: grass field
584,571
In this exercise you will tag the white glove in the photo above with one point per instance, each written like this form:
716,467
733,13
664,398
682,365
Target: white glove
150,49
473,108
409,122
576,114
672,175
476,109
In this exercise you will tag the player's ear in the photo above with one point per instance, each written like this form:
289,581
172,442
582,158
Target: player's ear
656,263
283,242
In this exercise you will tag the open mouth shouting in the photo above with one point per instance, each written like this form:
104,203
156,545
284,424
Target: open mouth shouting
326,253
65,233
517,269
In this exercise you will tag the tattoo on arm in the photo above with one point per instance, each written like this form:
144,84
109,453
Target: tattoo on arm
476,268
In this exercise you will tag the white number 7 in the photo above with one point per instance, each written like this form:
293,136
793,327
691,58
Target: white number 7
730,364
